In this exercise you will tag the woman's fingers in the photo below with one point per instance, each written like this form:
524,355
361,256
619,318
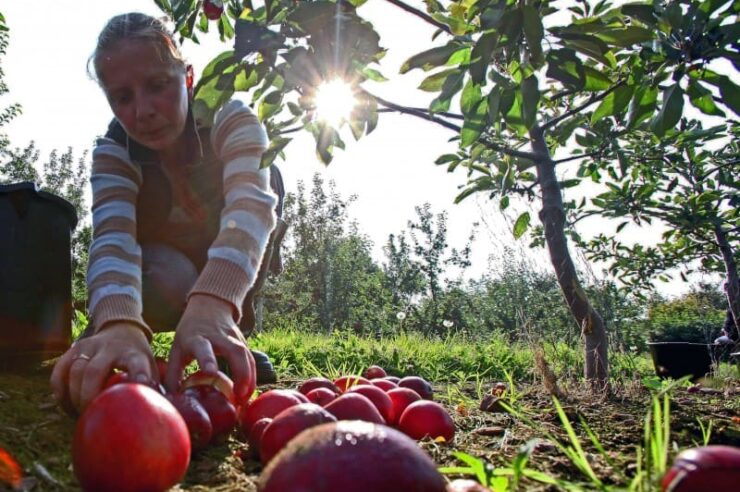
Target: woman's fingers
175,366
237,355
203,352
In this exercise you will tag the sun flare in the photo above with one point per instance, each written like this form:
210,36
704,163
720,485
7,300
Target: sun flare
334,101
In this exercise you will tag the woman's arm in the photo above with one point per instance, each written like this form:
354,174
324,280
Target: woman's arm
248,216
114,266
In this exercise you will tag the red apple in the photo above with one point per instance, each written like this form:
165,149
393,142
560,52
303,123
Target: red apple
400,399
130,438
317,382
354,406
345,382
383,384
288,424
427,419
255,436
376,395
298,395
351,456
221,411
213,9
419,385
393,379
704,468
374,372
268,404
195,417
321,396
117,378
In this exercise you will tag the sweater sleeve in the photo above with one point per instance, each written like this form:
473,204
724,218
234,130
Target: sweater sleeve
114,265
248,215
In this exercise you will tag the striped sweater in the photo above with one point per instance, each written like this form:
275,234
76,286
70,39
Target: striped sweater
114,268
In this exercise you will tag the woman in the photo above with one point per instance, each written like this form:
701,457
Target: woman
182,216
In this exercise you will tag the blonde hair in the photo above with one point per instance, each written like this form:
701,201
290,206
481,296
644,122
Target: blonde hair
135,26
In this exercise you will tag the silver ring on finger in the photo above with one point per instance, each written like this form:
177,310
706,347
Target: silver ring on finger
84,357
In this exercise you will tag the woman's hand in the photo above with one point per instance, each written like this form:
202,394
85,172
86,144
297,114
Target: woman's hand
207,329
79,375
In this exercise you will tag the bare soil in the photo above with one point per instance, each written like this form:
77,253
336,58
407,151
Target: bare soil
39,434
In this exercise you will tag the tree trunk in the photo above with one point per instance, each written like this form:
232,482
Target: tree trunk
552,217
732,289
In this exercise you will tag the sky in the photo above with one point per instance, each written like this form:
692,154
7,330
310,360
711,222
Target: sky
391,171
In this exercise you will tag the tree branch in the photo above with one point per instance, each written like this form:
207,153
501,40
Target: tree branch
422,15
453,116
576,157
426,115
593,99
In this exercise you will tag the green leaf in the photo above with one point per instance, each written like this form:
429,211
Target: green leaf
503,204
533,33
270,105
641,12
613,104
434,57
592,47
434,82
642,106
474,124
671,111
595,80
471,96
458,26
563,65
494,100
521,225
480,57
451,86
626,37
446,158
701,98
730,94
372,74
530,101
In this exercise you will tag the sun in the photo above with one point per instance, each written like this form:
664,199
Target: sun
334,102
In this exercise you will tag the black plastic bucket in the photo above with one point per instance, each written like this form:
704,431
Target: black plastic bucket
35,274
679,359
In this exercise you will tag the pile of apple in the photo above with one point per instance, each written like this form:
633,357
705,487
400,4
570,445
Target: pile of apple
137,437
275,417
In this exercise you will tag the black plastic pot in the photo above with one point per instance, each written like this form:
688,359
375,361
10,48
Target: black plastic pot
678,359
35,274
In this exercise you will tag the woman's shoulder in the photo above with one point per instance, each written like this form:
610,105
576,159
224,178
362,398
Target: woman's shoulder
237,121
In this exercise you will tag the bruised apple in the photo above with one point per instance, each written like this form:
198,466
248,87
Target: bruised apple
218,380
354,406
130,438
351,456
715,468
419,385
288,424
427,419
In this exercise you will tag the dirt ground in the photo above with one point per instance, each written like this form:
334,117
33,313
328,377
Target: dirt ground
39,435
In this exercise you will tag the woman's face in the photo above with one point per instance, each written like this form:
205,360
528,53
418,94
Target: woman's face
147,94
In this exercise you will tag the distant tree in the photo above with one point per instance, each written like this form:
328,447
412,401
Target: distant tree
330,280
9,112
403,276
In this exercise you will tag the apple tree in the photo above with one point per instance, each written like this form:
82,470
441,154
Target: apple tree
541,91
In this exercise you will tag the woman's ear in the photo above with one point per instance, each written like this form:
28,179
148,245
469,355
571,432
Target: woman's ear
189,81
